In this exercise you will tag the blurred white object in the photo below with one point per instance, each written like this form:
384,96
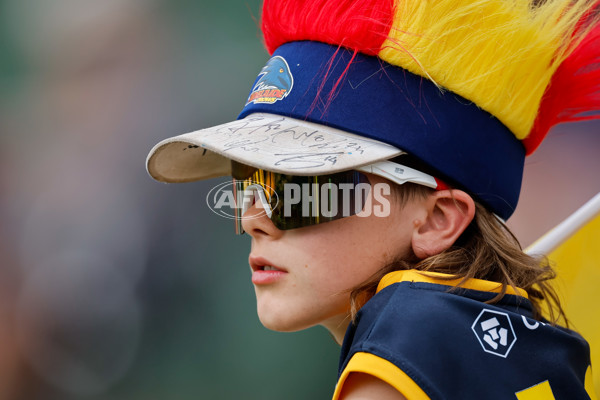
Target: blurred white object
555,237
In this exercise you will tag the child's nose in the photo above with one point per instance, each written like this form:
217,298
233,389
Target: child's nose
257,224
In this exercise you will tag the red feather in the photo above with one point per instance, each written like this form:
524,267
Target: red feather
574,91
358,25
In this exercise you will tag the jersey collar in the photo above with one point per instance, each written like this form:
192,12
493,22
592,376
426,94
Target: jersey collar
445,279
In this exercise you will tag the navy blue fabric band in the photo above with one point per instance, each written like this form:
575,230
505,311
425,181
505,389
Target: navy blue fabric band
464,145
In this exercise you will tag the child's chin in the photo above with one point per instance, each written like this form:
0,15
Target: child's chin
279,324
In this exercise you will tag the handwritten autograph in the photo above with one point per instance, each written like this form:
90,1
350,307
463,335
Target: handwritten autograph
295,147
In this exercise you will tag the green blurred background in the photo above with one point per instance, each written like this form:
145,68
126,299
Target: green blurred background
113,286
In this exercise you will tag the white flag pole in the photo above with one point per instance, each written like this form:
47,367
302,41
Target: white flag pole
555,237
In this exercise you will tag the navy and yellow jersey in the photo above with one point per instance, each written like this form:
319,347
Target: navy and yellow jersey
431,340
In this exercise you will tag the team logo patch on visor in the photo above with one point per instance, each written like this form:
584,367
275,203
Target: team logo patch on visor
274,82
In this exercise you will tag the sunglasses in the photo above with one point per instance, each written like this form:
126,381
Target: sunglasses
293,201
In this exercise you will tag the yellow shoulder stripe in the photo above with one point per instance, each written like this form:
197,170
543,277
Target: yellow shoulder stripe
443,279
386,371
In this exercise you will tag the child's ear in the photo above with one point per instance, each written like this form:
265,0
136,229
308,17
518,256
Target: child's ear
448,214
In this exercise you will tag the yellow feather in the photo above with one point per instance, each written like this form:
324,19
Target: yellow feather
499,54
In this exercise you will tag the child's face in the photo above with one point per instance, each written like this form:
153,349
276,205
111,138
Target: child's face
318,265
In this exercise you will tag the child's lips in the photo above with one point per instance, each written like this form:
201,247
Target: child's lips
258,263
264,272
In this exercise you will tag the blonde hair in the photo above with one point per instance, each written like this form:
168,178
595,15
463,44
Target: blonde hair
486,250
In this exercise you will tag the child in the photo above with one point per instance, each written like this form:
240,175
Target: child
432,106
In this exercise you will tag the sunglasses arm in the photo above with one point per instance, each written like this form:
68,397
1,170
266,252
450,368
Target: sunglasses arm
399,174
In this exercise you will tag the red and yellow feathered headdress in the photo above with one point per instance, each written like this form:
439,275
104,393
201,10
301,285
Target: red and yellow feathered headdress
530,63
